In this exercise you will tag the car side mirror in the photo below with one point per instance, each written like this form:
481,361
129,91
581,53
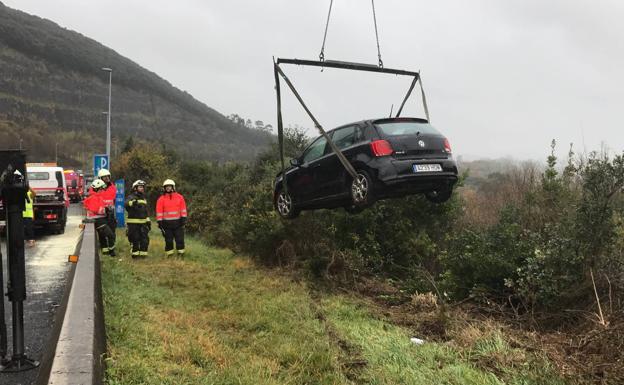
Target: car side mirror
295,162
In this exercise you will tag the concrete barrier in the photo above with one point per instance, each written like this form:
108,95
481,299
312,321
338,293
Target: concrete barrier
79,355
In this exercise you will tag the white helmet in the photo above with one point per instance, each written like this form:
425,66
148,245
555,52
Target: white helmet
98,184
138,183
17,175
169,182
103,172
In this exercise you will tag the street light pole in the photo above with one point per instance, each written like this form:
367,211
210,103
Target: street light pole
108,115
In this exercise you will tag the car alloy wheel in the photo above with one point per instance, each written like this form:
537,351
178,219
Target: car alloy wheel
360,190
285,205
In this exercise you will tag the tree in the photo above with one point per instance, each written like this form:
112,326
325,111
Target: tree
128,145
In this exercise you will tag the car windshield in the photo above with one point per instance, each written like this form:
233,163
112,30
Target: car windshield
38,176
406,128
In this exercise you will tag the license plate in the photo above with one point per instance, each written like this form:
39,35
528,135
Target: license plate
427,168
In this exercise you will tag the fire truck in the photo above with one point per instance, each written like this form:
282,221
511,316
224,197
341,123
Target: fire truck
75,185
51,203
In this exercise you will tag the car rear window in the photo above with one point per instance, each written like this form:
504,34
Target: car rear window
406,128
38,176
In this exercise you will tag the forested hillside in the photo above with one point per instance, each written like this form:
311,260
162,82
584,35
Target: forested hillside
52,90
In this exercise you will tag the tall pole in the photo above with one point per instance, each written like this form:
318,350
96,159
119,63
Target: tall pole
108,115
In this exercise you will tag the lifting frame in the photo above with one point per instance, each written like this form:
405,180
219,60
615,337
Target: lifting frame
341,65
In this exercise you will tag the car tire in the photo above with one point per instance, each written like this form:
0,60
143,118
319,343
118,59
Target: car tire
285,206
361,191
439,196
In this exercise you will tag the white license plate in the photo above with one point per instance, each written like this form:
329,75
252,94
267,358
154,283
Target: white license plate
427,168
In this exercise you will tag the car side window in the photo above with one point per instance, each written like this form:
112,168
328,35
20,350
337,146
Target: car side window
346,136
315,151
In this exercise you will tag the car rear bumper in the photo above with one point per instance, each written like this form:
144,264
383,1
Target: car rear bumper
399,175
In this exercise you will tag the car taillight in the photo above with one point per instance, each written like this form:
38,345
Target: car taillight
50,216
381,148
447,146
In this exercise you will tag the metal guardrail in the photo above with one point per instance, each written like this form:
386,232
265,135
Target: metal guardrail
79,356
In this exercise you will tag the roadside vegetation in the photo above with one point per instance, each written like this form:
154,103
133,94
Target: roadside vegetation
215,317
535,251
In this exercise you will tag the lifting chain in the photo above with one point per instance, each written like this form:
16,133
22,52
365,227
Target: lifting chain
322,54
377,35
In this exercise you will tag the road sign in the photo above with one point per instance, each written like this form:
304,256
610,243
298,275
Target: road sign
100,161
119,202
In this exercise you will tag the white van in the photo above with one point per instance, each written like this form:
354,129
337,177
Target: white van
51,198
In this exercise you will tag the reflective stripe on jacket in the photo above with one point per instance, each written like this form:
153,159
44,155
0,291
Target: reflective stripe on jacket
170,206
95,206
28,211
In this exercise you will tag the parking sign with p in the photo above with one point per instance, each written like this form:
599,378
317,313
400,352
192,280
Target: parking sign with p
100,161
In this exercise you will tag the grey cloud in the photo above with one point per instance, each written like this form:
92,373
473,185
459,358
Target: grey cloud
502,77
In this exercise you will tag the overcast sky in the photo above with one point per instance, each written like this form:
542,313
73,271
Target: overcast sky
502,78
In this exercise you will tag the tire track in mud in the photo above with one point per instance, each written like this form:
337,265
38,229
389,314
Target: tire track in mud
351,360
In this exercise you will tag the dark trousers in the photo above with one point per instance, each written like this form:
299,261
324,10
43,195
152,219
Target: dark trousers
29,231
170,234
138,235
112,224
106,236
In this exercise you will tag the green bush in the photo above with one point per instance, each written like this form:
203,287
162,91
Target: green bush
536,256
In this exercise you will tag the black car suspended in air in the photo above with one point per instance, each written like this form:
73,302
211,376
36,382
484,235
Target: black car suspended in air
392,157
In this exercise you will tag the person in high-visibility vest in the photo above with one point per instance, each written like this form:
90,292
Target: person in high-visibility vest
97,211
171,217
108,194
29,218
139,224
28,213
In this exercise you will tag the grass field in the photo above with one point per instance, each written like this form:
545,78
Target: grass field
215,318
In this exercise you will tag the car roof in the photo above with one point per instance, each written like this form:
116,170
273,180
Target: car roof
380,120
399,119
383,120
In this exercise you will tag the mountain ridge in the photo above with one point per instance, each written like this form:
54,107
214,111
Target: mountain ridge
51,84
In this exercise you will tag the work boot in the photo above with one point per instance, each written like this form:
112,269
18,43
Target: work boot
112,253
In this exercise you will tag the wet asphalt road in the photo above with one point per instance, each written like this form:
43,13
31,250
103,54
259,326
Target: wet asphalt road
46,276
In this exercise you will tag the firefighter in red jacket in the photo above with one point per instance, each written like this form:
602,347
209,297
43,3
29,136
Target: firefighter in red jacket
109,194
97,211
171,217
